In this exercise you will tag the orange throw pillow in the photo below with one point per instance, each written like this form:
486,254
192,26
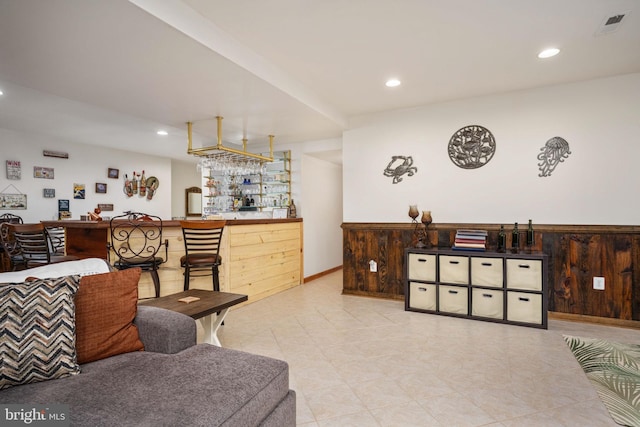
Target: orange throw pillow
106,305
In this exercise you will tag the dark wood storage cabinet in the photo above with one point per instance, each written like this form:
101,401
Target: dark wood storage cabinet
498,287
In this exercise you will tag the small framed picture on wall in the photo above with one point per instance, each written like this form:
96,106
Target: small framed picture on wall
101,187
113,173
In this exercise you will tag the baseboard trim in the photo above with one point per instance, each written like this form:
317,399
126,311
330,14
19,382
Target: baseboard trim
322,273
606,321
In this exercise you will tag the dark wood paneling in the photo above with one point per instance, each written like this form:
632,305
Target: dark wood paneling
87,242
577,253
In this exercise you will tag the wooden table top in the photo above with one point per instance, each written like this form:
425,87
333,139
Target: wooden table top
210,302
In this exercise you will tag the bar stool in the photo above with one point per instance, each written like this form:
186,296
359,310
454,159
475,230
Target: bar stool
136,239
35,245
202,250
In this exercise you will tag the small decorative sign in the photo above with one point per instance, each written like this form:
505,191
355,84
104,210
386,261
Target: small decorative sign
64,215
49,193
13,201
42,172
63,205
105,206
13,169
59,154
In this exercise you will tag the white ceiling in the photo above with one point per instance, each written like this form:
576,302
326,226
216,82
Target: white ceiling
112,72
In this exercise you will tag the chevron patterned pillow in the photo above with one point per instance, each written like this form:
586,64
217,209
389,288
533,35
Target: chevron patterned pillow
37,330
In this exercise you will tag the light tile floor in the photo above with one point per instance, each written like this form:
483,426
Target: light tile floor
357,361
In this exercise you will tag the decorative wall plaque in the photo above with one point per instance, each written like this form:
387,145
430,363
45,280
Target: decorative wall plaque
49,193
471,147
552,154
398,166
13,169
42,172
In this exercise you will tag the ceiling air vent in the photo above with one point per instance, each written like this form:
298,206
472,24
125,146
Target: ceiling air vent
611,23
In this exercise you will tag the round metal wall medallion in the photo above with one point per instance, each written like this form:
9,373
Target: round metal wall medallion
471,147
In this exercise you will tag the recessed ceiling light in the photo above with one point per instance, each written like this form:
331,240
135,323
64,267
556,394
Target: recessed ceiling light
393,83
163,132
1,93
548,53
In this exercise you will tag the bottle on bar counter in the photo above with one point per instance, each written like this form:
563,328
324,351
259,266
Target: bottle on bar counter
530,235
515,238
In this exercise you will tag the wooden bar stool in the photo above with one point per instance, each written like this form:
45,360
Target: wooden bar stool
202,250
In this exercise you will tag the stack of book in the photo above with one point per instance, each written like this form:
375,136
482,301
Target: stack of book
474,240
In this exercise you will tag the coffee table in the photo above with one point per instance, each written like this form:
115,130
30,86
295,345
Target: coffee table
204,310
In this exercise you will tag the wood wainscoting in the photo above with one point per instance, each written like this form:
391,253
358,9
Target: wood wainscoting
577,254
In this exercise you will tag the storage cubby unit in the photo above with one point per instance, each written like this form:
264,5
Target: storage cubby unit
496,287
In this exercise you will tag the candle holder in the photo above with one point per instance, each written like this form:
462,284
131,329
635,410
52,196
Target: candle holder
413,214
424,238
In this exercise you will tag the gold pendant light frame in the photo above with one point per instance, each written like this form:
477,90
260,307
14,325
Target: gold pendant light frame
220,151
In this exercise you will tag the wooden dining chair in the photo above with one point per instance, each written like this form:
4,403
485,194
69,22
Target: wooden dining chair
35,245
202,240
10,256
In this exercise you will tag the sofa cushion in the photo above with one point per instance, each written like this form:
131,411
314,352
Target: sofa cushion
106,305
37,330
203,385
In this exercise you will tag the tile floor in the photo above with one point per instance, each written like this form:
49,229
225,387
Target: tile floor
357,361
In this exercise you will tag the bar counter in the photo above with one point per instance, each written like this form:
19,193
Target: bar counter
260,257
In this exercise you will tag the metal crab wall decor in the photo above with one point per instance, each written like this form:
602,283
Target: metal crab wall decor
398,166
471,147
552,154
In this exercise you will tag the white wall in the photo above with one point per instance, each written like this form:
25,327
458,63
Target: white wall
597,184
85,165
322,188
317,192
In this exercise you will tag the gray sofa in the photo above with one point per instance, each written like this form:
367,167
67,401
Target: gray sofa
174,382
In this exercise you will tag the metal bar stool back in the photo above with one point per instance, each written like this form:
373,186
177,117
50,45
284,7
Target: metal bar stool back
136,239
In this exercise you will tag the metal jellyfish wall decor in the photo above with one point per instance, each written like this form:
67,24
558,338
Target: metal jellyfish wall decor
552,154
398,166
472,147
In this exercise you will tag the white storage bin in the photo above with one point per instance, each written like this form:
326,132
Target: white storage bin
453,299
422,296
454,269
486,272
487,303
524,274
422,267
524,307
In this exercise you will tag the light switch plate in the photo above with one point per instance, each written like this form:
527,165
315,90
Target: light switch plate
598,283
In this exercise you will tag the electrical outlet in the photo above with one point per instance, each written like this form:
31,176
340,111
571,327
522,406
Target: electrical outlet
373,266
598,283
